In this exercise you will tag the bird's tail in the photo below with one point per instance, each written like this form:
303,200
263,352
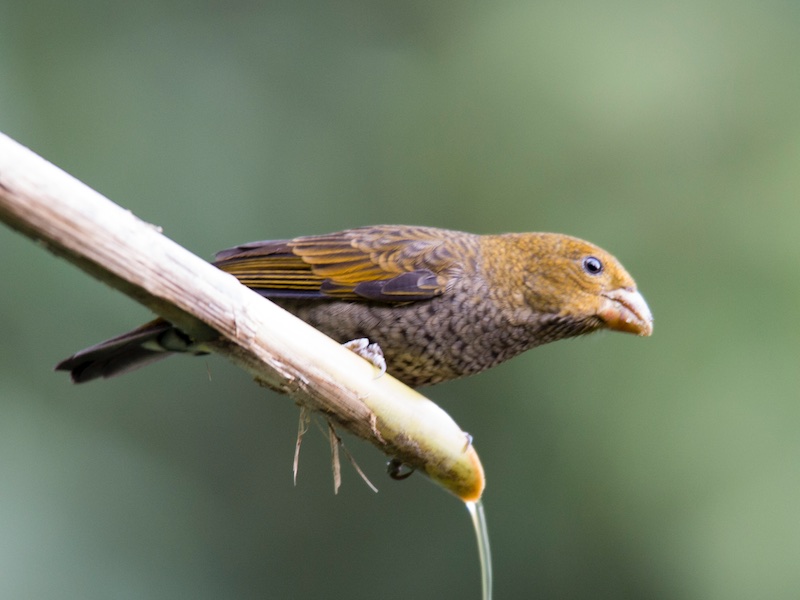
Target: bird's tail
151,342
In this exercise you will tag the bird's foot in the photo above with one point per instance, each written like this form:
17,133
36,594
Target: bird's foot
398,470
369,352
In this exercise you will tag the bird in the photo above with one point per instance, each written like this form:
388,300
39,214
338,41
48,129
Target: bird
439,304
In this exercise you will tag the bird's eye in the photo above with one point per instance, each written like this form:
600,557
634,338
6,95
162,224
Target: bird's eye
592,265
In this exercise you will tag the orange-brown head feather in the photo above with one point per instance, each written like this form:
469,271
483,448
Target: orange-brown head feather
553,274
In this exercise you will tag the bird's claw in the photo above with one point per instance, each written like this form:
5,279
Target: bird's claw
369,352
398,470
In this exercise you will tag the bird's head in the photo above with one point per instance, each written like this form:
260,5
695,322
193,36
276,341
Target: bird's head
571,281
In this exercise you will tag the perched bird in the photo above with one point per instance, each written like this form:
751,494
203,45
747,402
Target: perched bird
440,304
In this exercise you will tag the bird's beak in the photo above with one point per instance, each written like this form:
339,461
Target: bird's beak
625,310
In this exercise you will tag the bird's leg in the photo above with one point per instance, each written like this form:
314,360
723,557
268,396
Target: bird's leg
369,352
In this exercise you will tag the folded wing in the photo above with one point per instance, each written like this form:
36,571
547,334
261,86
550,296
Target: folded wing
379,264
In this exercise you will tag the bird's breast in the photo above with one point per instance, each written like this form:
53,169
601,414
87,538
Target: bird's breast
453,335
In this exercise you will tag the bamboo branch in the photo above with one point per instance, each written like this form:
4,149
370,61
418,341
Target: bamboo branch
279,350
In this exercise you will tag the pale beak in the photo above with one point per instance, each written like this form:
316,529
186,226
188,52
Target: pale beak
625,310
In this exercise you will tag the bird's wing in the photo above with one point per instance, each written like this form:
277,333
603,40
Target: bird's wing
382,264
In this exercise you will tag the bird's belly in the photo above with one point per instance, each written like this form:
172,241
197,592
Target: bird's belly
424,342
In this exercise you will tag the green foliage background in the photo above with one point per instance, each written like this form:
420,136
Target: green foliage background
618,467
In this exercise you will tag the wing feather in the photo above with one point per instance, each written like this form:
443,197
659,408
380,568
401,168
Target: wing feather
392,264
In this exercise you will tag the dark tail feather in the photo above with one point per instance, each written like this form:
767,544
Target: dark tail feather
148,343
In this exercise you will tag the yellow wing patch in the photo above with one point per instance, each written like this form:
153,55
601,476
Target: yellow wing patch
383,264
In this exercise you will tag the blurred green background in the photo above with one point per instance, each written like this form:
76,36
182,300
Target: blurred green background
617,467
